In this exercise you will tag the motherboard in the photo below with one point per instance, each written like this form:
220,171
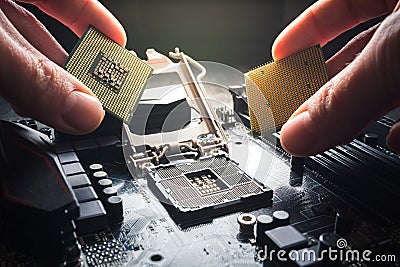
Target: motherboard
188,183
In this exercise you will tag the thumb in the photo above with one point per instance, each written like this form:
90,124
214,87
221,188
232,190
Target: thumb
366,89
393,138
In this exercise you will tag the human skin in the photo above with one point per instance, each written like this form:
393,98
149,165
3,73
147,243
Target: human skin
365,73
31,77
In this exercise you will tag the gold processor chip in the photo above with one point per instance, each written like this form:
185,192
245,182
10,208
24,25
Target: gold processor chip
284,84
115,75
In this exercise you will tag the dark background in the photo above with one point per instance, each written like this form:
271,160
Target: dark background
235,32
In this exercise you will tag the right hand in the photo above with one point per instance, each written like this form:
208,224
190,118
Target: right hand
365,74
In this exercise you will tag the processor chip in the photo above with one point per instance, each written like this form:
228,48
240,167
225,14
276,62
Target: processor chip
284,84
115,75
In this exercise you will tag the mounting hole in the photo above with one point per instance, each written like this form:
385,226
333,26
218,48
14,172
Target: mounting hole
247,218
156,257
238,143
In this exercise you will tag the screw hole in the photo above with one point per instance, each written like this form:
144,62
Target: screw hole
156,257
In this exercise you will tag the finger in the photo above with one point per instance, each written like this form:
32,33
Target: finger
368,87
393,138
78,14
42,89
33,31
324,21
347,54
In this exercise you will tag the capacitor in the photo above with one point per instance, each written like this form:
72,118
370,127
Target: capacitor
102,184
108,192
95,167
97,176
114,208
264,223
281,218
246,223
343,223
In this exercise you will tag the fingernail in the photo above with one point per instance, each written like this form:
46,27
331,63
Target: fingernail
82,112
296,137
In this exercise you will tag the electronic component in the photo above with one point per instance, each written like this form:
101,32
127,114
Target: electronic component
297,164
108,192
92,217
105,253
215,184
68,157
189,168
95,167
78,180
115,211
264,223
73,168
285,84
85,194
102,184
281,218
286,238
343,223
246,223
372,171
370,139
115,75
36,202
99,175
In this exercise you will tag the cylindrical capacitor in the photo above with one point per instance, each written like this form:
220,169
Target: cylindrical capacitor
114,208
97,176
246,223
102,184
95,167
264,223
108,192
281,218
343,223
